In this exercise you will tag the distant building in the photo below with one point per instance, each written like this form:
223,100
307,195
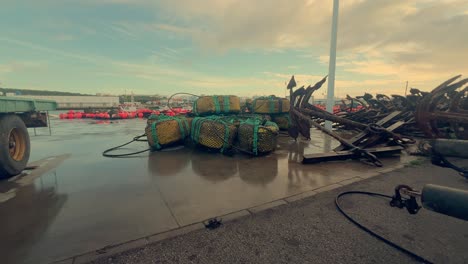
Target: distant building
132,103
79,102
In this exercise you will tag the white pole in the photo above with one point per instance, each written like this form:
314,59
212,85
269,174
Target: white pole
332,63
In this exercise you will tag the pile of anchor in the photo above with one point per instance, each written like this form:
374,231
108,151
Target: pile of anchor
384,124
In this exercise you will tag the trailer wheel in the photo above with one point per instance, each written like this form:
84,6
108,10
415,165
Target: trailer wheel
14,146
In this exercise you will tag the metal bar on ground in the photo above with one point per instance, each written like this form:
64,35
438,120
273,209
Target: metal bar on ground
345,155
364,134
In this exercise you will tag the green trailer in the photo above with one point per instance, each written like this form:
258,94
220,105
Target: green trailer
16,115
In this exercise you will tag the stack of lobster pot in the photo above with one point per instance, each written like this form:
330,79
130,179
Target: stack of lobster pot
218,125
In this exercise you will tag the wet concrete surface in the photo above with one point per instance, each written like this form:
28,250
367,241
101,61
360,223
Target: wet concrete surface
312,230
77,201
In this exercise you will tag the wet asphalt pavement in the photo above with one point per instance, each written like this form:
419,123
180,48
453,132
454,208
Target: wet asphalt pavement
313,231
77,201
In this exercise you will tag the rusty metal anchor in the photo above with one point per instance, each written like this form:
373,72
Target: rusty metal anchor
443,113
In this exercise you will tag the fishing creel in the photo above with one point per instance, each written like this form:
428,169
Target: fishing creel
270,105
213,132
258,136
163,131
217,104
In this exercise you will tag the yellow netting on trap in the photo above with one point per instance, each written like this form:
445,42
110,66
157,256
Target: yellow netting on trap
213,132
258,136
217,104
163,131
270,105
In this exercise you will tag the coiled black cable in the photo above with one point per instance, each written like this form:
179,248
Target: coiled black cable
381,238
137,138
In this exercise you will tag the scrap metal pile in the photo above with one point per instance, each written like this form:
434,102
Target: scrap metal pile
383,124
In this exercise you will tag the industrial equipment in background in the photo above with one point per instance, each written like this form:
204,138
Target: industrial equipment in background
440,199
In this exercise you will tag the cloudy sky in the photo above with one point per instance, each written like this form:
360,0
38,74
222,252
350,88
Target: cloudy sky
241,47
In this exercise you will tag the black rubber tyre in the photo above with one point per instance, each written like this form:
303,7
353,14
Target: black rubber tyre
14,146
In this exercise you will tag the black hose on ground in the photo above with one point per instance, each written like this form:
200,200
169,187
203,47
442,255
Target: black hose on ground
427,149
137,138
441,161
367,230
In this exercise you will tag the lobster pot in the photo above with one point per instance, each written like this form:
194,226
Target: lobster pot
257,136
270,105
165,131
213,132
217,104
282,121
152,118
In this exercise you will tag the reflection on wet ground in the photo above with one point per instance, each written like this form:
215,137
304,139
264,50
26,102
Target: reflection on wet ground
77,201
23,222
